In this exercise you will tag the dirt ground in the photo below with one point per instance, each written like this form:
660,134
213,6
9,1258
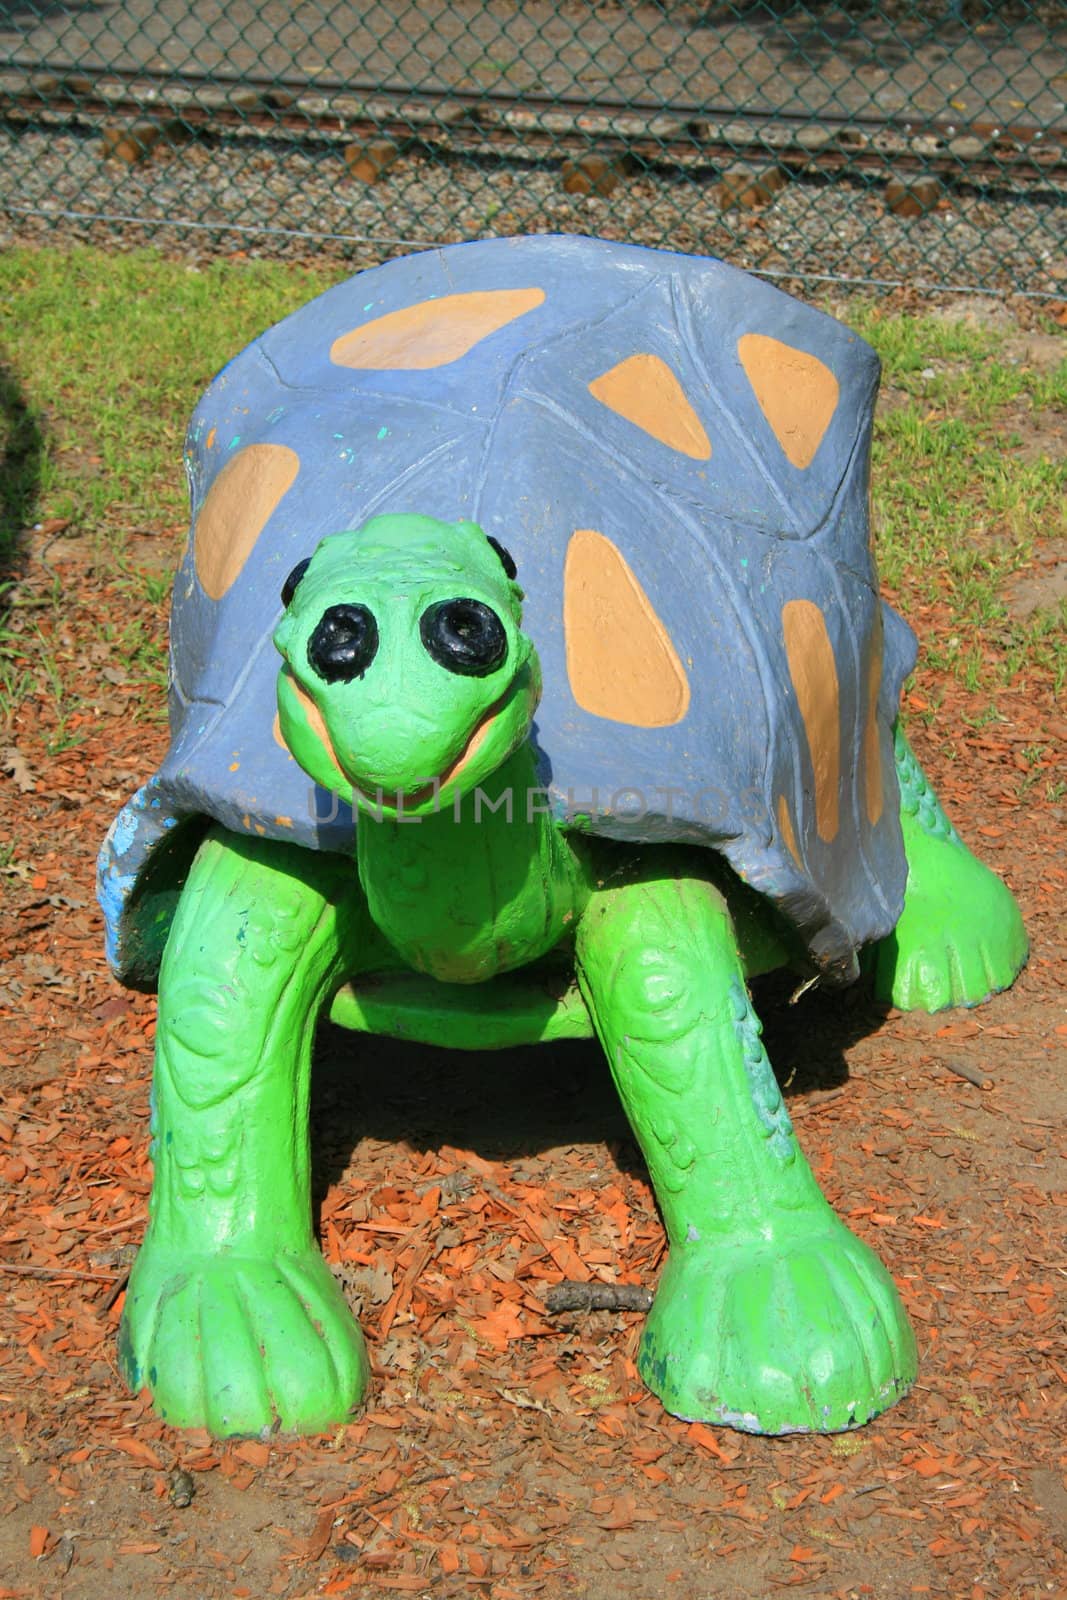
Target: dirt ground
505,1452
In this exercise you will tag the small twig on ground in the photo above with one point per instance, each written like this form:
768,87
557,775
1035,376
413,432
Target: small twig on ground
597,1297
25,1271
972,1075
815,1103
116,1290
116,1227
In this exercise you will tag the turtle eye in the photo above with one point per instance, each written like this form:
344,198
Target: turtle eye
344,643
464,636
290,585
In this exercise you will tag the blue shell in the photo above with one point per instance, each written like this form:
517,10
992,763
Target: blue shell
509,436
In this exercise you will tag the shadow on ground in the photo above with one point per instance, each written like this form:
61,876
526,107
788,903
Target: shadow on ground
517,1104
21,450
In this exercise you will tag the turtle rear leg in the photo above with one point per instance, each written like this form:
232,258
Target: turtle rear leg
232,1319
960,937
770,1315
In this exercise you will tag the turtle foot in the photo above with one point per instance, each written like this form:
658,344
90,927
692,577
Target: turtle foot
801,1336
242,1345
960,938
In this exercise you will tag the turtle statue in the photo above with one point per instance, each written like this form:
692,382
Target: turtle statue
547,562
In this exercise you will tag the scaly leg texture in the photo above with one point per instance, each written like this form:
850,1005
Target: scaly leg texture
232,1318
770,1315
960,937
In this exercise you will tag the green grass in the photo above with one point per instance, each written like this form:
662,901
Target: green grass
109,354
102,358
969,472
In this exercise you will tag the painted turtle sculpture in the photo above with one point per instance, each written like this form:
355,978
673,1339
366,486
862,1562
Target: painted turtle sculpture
564,548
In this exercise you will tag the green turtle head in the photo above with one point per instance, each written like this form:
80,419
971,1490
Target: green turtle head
407,677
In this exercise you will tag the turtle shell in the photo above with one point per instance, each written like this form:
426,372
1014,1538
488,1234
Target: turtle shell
676,455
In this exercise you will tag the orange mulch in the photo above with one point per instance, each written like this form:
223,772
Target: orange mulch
506,1452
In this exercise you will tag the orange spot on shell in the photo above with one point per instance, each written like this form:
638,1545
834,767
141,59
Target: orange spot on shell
872,744
432,333
786,829
797,393
814,673
237,508
645,391
209,442
620,659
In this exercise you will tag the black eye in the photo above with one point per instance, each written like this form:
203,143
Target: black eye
465,636
507,560
344,643
289,586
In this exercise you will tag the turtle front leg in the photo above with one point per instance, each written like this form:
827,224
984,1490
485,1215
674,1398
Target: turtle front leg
960,937
232,1319
770,1316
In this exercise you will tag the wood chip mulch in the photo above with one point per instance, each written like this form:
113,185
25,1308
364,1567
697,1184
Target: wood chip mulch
507,1451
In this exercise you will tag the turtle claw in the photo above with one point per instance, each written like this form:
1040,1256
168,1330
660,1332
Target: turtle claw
800,1336
959,940
242,1345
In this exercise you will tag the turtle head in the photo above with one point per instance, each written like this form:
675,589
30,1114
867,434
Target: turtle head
407,678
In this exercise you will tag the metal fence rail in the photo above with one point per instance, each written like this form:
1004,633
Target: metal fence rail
879,140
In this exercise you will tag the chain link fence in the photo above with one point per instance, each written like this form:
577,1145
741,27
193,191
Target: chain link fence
879,142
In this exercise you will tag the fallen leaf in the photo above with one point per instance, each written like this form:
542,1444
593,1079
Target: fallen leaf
140,1451
704,1437
14,763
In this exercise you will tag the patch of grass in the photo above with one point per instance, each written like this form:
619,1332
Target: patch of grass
16,679
133,640
1040,642
106,357
958,501
909,345
65,701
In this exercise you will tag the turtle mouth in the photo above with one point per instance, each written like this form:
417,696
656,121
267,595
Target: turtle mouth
417,797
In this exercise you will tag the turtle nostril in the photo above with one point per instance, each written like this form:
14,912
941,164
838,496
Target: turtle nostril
464,636
344,643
